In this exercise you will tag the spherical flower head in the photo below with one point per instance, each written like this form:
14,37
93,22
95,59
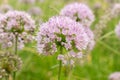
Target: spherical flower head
9,63
17,21
117,30
79,12
61,31
115,76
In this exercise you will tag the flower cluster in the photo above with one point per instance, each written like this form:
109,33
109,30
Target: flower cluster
117,30
9,63
16,23
90,35
70,58
63,32
79,12
115,76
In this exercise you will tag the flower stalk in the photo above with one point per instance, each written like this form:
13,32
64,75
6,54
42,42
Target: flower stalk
60,64
15,51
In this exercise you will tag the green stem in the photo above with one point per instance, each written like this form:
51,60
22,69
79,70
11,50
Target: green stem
60,65
16,44
108,47
106,35
15,51
7,77
54,9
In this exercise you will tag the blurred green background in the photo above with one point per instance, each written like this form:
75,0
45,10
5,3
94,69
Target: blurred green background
100,63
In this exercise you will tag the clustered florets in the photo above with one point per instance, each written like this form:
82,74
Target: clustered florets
61,31
81,13
9,63
78,12
115,76
16,23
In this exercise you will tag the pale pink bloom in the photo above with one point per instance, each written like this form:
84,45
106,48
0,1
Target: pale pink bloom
78,12
70,58
91,38
16,23
60,57
117,30
53,30
115,76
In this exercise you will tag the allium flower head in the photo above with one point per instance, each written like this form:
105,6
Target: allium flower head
61,31
9,63
117,30
16,23
79,12
115,76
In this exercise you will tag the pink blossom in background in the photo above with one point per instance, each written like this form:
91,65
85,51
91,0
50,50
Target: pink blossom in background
117,30
115,76
79,12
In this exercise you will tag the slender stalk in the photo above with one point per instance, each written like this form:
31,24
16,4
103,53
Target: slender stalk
60,65
107,35
15,51
16,43
7,77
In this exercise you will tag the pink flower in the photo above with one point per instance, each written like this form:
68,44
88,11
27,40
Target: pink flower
79,12
62,31
16,23
117,30
91,38
115,76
